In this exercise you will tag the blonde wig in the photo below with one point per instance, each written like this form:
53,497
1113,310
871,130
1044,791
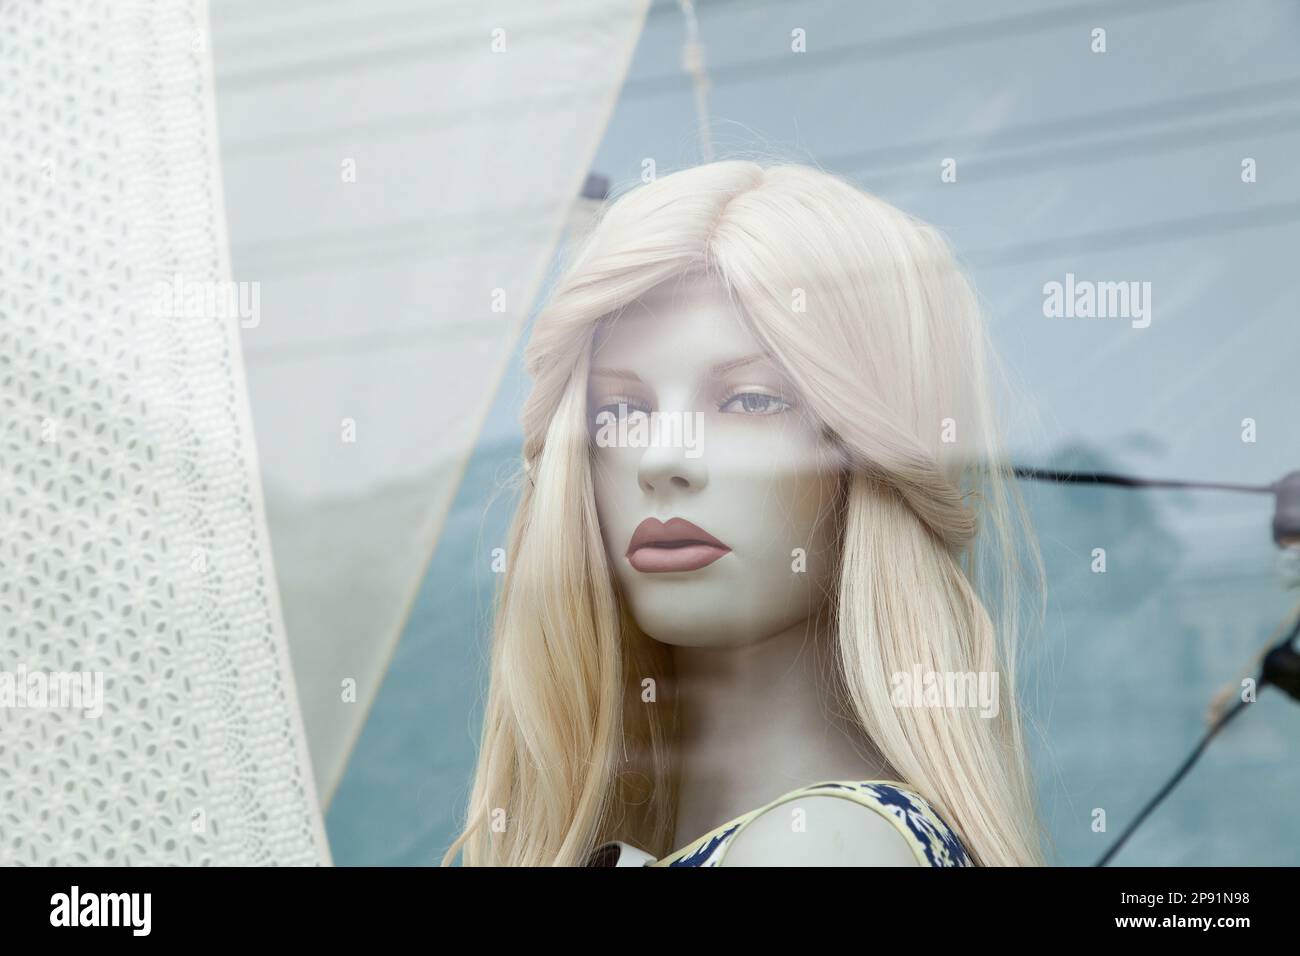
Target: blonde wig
866,310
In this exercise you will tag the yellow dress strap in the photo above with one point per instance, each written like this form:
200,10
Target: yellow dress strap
932,841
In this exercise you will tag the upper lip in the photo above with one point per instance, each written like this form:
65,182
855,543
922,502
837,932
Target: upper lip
675,531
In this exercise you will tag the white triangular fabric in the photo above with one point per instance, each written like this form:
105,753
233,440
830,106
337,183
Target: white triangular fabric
397,179
148,713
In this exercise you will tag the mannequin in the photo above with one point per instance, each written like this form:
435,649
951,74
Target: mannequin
689,629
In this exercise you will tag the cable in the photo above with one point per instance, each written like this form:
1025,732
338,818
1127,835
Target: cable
1173,782
1129,481
1281,669
1285,492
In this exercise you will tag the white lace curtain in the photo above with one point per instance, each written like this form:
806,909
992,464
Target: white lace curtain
147,706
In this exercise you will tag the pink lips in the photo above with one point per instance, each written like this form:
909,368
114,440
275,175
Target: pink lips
675,545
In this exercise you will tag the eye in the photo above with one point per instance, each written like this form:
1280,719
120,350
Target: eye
755,403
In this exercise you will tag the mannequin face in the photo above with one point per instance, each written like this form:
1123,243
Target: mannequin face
733,452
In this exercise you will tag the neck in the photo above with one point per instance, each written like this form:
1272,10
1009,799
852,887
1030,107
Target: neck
758,721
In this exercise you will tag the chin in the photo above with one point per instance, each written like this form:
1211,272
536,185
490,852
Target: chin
684,623
685,633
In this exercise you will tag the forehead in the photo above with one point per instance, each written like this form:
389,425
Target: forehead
677,325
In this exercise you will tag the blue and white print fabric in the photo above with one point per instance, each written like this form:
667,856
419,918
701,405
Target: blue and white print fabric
931,839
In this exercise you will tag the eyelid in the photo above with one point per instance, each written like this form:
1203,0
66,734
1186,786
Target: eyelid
772,395
772,391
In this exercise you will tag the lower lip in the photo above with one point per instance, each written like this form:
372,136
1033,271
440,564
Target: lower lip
690,558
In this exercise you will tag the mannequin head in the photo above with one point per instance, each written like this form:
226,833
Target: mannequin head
760,475
850,468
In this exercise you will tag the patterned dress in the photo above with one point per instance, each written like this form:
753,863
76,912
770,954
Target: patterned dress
932,841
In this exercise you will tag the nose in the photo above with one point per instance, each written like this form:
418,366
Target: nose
666,465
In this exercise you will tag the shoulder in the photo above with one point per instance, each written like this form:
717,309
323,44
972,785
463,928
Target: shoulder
818,829
846,823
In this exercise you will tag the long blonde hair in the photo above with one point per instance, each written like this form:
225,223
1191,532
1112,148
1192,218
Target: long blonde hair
867,311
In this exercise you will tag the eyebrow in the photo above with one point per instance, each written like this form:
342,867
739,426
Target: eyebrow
721,368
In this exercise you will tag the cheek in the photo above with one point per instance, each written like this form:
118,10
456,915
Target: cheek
786,525
776,487
617,493
772,497
812,516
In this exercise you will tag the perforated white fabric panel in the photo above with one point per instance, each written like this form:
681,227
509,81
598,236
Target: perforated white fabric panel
132,535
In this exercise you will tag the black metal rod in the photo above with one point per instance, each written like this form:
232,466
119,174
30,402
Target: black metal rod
1128,481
